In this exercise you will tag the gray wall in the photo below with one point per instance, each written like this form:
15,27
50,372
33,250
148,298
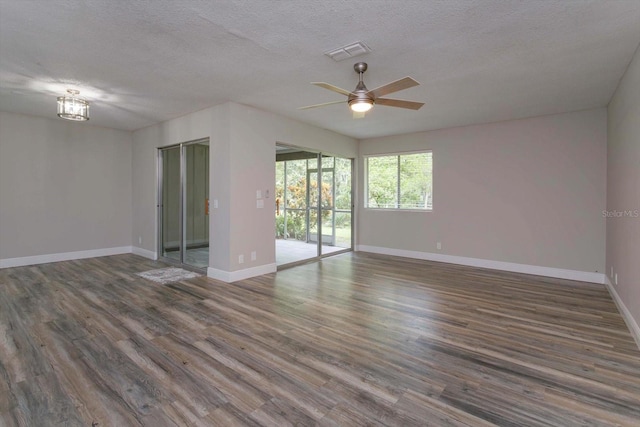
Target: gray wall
212,123
254,134
64,186
242,161
623,189
527,191
524,191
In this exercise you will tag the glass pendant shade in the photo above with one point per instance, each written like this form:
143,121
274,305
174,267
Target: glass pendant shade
361,106
72,108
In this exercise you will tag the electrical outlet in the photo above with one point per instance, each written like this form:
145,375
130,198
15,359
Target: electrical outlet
611,271
253,256
439,245
139,240
240,259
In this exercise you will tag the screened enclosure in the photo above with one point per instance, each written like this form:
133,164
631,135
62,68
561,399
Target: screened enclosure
313,204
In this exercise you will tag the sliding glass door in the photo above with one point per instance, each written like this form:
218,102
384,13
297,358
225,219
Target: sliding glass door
341,223
314,206
170,205
184,203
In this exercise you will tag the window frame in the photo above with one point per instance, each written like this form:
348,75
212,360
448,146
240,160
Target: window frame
398,194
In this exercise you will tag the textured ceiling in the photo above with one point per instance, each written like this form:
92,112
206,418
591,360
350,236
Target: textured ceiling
479,61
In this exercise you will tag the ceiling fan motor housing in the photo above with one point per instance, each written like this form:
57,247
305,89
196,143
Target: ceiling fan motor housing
360,97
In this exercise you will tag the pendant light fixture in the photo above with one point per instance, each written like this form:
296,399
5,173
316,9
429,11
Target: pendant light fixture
71,107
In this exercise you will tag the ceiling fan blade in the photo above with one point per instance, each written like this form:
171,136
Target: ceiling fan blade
411,105
332,88
322,105
396,86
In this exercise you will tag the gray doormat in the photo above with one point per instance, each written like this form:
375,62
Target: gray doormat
168,275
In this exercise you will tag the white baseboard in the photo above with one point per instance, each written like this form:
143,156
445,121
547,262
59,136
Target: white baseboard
63,256
145,253
234,276
624,311
583,276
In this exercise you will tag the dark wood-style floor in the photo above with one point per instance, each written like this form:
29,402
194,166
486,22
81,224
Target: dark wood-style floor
355,339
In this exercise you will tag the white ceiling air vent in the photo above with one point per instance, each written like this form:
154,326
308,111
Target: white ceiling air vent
349,51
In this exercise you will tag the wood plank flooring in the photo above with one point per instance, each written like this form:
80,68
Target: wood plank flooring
356,339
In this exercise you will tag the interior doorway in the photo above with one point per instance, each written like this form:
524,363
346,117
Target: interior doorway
183,203
314,208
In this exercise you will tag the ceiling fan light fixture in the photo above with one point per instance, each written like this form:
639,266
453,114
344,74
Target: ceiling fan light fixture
361,105
70,107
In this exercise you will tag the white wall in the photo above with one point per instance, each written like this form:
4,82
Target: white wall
64,187
242,150
623,193
526,191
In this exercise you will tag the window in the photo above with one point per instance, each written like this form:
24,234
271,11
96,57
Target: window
399,181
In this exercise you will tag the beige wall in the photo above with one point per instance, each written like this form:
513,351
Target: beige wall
242,156
525,191
64,187
623,189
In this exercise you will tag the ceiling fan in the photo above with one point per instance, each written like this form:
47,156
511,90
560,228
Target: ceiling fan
361,99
